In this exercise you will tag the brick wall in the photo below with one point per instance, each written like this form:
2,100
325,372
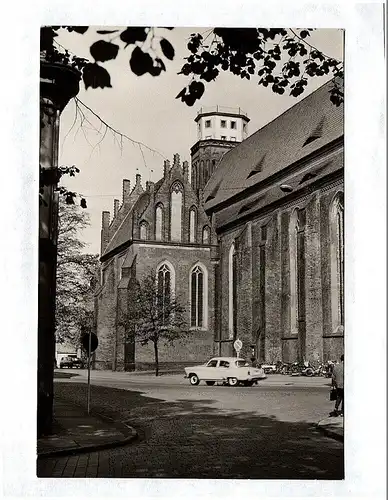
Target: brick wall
273,290
280,343
106,320
314,326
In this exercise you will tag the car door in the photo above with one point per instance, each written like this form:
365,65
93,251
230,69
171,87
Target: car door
224,369
209,371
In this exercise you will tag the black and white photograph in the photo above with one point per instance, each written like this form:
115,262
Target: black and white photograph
193,254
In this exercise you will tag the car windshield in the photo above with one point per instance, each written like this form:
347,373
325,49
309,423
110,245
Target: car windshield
242,362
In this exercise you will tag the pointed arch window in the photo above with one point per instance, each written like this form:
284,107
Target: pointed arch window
198,297
193,225
158,222
165,278
176,211
232,291
143,230
337,261
297,279
206,235
293,273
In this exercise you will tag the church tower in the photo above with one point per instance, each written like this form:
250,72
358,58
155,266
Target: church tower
219,129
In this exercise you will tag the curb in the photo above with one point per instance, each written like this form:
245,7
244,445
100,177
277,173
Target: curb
131,435
330,433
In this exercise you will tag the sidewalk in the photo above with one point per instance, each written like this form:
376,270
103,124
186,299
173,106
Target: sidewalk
332,427
74,431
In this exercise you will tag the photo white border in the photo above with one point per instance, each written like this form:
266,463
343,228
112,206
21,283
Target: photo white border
365,238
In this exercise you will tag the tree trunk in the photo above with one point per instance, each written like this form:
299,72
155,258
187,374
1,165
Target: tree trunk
156,359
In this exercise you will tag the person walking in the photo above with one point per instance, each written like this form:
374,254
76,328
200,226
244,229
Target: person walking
338,383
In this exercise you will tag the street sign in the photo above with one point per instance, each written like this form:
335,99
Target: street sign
93,342
89,342
237,346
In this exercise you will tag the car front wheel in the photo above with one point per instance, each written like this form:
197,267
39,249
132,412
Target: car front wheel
194,380
233,381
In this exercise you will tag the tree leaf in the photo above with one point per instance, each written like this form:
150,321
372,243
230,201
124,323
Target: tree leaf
95,76
104,51
132,35
167,49
158,67
106,32
47,36
78,29
83,203
140,62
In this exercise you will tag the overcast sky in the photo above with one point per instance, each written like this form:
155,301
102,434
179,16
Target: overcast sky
145,109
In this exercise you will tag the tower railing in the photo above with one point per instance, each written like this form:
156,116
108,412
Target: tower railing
221,109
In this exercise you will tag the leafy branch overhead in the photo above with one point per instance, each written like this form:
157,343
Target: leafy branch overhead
51,177
282,59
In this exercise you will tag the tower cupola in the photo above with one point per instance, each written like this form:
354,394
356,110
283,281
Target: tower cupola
219,129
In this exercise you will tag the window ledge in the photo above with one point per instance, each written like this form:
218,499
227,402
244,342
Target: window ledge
198,328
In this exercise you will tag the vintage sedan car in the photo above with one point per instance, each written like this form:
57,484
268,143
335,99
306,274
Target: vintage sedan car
71,362
230,371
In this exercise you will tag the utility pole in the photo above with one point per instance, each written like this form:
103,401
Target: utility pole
58,84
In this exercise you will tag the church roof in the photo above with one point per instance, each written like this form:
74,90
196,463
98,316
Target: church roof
304,128
122,235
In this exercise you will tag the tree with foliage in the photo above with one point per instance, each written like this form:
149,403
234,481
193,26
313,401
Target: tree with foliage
278,58
77,276
155,315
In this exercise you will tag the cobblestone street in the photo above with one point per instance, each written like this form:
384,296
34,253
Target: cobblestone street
208,432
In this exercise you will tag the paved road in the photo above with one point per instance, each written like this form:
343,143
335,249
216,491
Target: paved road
261,432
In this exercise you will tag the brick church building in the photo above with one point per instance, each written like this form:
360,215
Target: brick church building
253,244
163,228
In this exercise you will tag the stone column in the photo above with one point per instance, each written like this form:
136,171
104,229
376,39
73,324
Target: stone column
58,84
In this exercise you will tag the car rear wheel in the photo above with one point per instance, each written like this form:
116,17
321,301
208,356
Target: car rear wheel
232,381
209,382
194,380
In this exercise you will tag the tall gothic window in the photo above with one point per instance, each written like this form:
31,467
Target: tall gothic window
197,297
176,211
165,285
337,261
143,230
232,291
262,294
297,279
293,273
206,235
193,225
158,222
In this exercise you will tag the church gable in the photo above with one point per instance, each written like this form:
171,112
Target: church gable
172,198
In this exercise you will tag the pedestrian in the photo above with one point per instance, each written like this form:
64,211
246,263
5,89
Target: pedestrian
338,383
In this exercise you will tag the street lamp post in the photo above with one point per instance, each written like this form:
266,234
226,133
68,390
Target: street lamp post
58,84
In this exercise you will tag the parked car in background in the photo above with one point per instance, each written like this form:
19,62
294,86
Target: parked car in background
268,368
230,371
71,362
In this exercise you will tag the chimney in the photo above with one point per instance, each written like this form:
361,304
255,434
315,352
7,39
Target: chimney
185,171
105,220
176,160
116,206
138,180
166,168
126,190
105,230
